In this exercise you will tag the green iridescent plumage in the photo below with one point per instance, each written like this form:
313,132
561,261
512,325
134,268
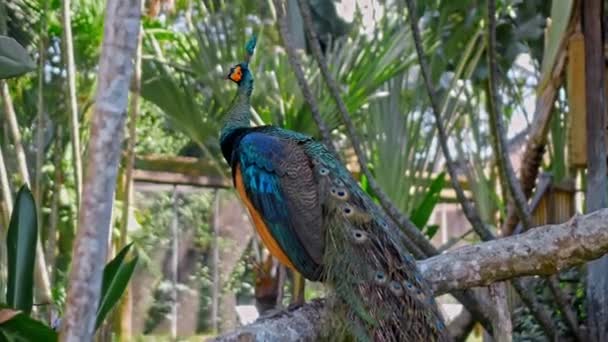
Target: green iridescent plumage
329,229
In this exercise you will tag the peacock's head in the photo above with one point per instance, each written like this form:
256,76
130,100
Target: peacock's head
239,73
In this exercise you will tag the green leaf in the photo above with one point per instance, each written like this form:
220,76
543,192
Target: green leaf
560,18
116,276
421,214
431,230
21,250
20,327
14,59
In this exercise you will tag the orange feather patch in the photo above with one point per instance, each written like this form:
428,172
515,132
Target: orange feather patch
260,226
237,74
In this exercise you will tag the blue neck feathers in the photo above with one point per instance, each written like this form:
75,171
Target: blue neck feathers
239,114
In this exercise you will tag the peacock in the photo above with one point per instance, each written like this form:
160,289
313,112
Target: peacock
314,218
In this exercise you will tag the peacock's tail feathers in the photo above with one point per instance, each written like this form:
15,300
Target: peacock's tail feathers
380,293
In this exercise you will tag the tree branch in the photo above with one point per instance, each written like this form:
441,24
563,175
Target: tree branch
513,188
497,126
419,245
541,251
302,324
412,232
469,211
296,65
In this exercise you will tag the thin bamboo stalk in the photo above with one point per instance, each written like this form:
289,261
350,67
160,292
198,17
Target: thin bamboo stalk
40,127
54,216
215,255
72,103
43,285
6,189
11,118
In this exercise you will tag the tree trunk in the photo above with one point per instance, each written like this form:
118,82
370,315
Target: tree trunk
121,29
124,313
596,195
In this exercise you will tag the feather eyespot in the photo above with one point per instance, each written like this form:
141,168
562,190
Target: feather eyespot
339,193
380,278
396,288
339,182
347,210
323,171
359,236
315,162
408,285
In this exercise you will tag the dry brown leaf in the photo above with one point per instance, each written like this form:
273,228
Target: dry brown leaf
7,314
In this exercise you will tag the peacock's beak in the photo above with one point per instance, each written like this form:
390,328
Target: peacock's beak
229,73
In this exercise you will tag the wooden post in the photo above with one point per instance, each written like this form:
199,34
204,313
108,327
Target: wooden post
596,193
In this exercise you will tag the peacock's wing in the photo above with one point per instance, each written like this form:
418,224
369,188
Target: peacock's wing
278,181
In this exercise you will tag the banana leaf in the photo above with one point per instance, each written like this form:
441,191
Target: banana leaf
116,276
21,249
14,59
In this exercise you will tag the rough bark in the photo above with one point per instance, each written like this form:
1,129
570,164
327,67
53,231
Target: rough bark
537,140
596,196
542,251
124,326
121,29
502,325
503,328
461,326
303,324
